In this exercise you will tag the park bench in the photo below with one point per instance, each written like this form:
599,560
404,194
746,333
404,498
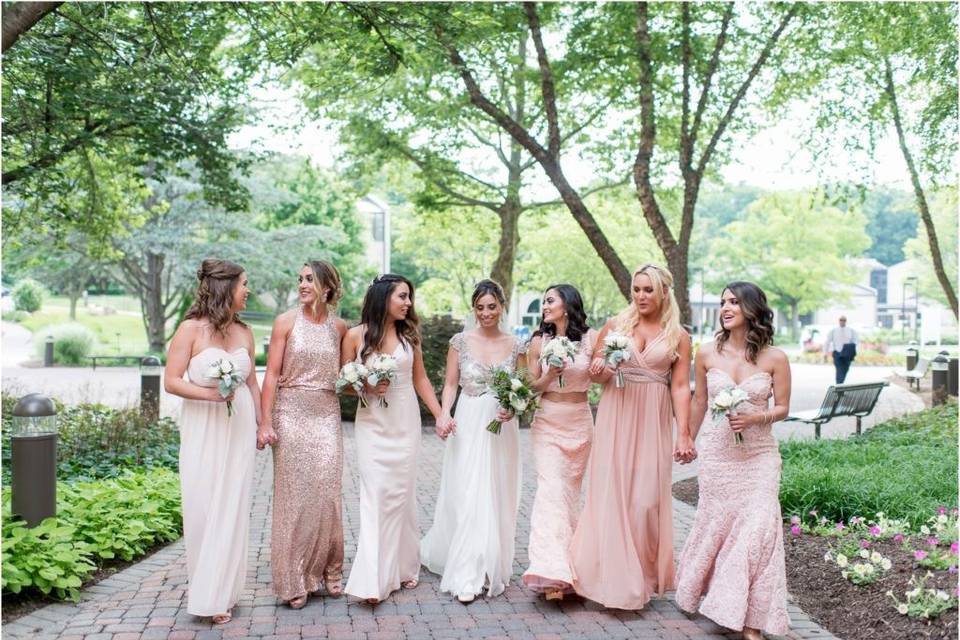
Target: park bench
257,317
841,400
916,374
118,358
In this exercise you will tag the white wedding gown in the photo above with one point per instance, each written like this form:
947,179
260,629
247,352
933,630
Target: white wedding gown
471,543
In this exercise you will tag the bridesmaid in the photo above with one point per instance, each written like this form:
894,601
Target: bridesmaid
301,419
471,543
216,449
560,436
622,549
733,557
388,441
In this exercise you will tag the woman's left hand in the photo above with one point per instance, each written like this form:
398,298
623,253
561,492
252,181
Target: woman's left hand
739,422
504,415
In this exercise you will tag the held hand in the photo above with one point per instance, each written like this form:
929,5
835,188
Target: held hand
266,435
684,451
504,415
554,371
381,388
597,365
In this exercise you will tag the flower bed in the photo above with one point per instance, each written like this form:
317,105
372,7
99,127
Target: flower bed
864,571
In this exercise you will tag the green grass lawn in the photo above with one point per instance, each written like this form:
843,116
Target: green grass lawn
905,467
118,333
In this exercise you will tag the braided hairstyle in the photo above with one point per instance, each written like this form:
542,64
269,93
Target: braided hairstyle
214,296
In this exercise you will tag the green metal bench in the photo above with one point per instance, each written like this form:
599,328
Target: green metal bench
857,400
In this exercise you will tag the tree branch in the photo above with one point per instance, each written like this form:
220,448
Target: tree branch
744,86
547,87
708,76
20,17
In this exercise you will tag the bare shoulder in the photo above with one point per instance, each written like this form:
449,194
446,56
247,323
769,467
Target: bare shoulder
774,358
610,324
706,351
341,326
286,319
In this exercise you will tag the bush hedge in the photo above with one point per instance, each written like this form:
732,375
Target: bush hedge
96,521
905,468
28,295
96,441
72,343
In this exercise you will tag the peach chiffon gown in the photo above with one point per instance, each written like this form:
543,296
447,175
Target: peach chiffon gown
560,438
733,558
388,444
216,480
622,549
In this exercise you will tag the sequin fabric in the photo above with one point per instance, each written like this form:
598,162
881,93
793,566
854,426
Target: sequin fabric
733,557
307,462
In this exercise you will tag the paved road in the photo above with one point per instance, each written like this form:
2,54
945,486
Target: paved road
147,600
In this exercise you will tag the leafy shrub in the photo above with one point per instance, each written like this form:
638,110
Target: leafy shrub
905,468
14,316
96,441
72,343
114,518
28,295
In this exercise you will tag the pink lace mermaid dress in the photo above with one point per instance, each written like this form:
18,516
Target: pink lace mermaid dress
733,556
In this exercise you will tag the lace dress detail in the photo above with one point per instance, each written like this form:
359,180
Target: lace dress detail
471,542
733,557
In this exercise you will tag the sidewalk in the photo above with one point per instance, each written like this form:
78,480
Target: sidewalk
147,600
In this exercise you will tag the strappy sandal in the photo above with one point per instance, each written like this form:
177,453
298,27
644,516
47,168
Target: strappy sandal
410,584
298,603
222,618
553,594
334,587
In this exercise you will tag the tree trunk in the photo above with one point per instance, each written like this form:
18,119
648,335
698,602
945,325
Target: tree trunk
19,17
921,197
794,320
151,301
73,296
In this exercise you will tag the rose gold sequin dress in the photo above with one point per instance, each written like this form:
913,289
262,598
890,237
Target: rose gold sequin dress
216,478
622,550
733,557
307,462
560,438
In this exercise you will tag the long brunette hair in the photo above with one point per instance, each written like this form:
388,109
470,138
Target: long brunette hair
577,326
214,296
374,315
757,314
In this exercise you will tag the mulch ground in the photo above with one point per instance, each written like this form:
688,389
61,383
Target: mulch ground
846,610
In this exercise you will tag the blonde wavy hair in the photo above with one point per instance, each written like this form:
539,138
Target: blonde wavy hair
628,319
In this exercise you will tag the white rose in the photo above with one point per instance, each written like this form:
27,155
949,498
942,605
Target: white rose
520,406
213,371
351,376
226,367
516,383
902,609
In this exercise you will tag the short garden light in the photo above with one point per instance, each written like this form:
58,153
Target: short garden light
33,458
150,371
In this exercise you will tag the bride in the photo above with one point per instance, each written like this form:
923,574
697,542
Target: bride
471,542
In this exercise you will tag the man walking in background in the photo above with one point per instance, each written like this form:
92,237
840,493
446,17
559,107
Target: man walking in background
843,342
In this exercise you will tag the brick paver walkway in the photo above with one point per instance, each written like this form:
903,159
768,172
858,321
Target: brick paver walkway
147,600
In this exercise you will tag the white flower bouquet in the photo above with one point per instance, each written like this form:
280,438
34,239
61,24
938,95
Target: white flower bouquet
228,378
557,351
616,349
725,403
352,375
381,367
514,393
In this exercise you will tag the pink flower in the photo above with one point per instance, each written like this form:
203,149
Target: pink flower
941,510
932,541
898,537
864,544
875,530
954,547
813,512
795,530
919,554
953,568
794,519
840,526
855,520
